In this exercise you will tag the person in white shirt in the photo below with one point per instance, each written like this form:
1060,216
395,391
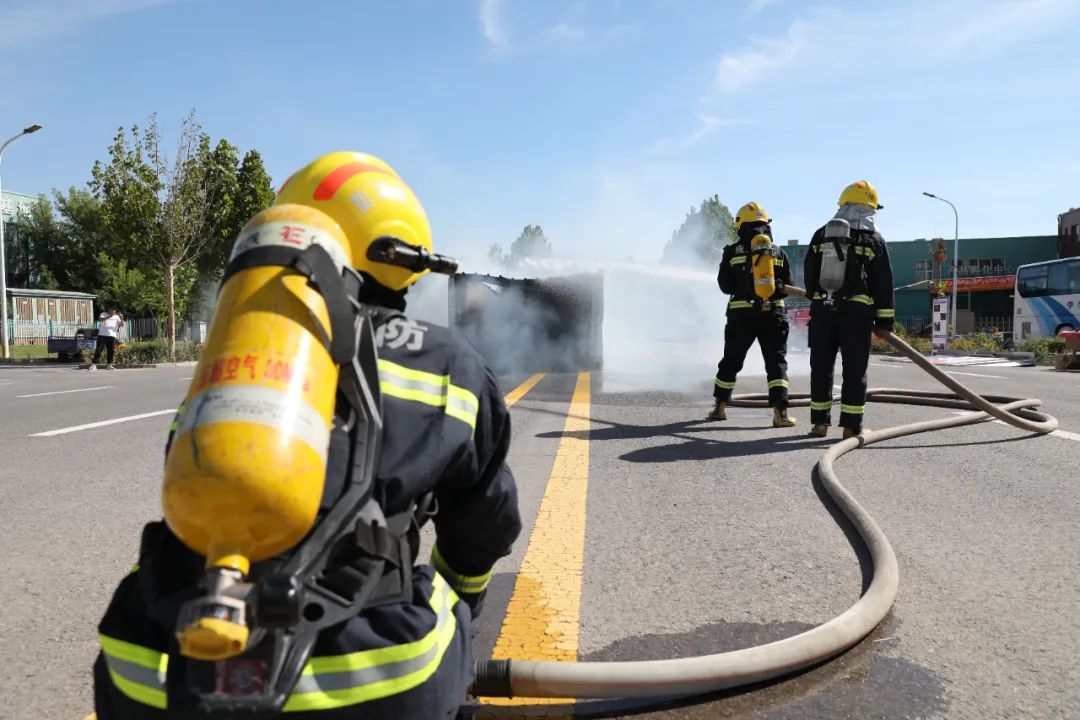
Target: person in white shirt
109,324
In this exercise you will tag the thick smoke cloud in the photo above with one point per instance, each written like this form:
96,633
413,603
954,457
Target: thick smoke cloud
663,327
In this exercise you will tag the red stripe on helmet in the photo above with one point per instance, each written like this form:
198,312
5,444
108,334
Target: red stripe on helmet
333,182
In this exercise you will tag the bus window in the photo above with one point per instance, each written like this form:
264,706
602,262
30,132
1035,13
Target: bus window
1032,282
1064,279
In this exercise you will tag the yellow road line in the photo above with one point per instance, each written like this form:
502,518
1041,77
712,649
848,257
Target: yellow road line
542,617
519,392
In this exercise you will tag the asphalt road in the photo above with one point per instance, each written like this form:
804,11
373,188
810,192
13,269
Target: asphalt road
698,537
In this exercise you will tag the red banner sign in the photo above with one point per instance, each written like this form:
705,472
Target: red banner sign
977,284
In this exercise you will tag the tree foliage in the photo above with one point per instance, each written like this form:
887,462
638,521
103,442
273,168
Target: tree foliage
701,238
149,232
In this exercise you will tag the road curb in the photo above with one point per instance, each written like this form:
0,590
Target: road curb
144,366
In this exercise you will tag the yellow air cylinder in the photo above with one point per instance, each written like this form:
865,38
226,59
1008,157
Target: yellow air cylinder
764,265
245,472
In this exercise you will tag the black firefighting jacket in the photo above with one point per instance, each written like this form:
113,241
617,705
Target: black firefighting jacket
736,275
868,278
447,430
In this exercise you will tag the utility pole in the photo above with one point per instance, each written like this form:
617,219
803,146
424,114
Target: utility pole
956,254
5,351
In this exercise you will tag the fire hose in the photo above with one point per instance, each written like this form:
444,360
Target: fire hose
710,673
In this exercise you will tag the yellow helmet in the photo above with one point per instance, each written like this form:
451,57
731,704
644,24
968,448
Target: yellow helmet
860,193
751,212
368,200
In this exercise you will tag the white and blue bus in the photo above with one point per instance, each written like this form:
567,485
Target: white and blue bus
1047,298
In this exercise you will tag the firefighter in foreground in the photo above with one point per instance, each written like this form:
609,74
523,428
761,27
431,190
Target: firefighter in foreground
444,441
754,272
850,285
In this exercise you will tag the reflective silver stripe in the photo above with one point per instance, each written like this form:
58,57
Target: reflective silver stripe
852,409
326,682
290,234
430,389
778,383
133,672
724,384
826,405
287,412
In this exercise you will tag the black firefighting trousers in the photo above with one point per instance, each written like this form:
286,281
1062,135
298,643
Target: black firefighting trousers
846,327
770,329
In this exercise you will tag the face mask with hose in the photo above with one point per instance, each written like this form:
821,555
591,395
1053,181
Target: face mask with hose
245,473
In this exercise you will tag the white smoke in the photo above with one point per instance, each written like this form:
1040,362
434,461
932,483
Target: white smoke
663,326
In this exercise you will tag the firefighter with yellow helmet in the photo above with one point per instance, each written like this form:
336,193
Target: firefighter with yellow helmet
754,271
269,450
850,285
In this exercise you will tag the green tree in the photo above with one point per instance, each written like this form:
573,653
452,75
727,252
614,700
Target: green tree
701,238
531,243
64,238
220,166
161,213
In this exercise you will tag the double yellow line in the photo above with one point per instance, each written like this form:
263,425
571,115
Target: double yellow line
542,618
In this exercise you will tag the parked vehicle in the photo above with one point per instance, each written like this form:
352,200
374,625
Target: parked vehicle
71,347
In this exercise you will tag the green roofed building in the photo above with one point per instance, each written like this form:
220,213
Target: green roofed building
986,276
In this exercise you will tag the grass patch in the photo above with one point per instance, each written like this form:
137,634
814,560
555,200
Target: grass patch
29,352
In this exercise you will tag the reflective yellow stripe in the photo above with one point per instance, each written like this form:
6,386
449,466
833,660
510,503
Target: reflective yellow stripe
177,418
724,384
864,250
778,383
819,296
739,304
136,671
824,405
342,680
430,389
852,409
864,299
738,259
468,584
326,682
883,313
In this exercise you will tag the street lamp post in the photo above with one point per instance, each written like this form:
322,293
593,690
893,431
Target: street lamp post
5,352
955,252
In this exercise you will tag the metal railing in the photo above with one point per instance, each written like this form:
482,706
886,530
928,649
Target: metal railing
990,324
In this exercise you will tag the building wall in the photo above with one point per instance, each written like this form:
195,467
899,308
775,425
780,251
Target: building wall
912,262
1069,233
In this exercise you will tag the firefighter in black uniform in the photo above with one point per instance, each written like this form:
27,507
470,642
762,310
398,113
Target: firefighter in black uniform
850,285
750,318
447,431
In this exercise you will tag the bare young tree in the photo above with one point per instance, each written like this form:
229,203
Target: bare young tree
160,210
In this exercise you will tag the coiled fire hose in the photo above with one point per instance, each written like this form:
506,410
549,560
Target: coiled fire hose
709,673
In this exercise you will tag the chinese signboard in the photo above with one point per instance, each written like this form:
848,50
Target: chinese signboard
975,284
939,316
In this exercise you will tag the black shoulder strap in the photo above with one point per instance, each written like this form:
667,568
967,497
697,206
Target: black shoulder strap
336,286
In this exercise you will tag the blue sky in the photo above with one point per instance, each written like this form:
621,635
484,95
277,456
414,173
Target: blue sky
601,120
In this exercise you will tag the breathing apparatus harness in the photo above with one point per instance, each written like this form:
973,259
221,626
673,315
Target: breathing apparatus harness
840,243
355,556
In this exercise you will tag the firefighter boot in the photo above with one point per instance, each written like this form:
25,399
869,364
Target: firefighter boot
852,432
780,418
819,430
718,412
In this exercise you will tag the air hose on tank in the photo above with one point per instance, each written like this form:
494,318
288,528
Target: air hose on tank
709,673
